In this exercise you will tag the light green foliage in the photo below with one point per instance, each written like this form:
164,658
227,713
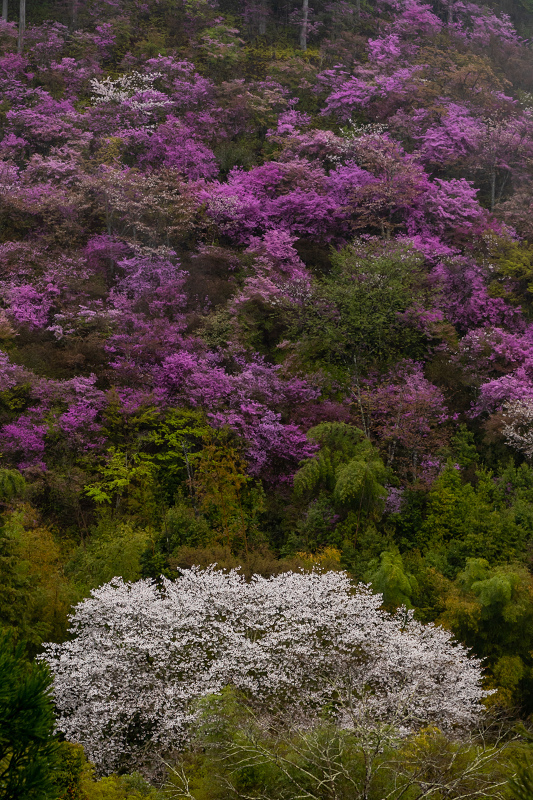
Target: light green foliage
120,787
69,775
177,438
235,755
491,610
28,750
127,481
521,784
151,457
114,549
514,260
15,586
508,673
15,399
221,49
360,479
74,779
391,580
227,496
465,521
12,485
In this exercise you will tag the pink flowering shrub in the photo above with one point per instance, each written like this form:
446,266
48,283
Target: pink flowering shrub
268,243
407,416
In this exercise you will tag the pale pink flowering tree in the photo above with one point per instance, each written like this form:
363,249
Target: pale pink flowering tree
297,645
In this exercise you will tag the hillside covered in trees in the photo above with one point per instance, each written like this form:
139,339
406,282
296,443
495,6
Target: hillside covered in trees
266,289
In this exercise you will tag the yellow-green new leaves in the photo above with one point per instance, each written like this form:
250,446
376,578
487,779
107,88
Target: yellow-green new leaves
12,485
34,592
124,478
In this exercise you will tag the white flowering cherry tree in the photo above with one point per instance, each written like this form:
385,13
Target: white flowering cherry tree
294,645
134,89
518,425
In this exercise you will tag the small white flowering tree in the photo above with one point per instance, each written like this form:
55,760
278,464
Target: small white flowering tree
518,428
134,89
294,645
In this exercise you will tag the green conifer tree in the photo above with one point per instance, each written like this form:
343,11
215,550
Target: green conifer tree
28,748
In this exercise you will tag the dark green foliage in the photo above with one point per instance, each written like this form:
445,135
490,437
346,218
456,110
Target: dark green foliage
464,447
356,311
28,750
491,610
363,543
317,528
340,495
347,468
181,526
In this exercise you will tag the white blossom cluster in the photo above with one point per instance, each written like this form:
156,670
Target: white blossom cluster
134,88
357,131
294,644
354,136
518,428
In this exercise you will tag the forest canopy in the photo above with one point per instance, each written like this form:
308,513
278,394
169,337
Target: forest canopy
266,303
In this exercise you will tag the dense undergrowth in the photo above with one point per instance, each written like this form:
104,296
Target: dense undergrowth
267,301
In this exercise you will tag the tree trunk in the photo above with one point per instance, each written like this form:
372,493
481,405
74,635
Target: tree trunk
358,9
22,25
74,17
4,10
493,190
303,32
262,19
